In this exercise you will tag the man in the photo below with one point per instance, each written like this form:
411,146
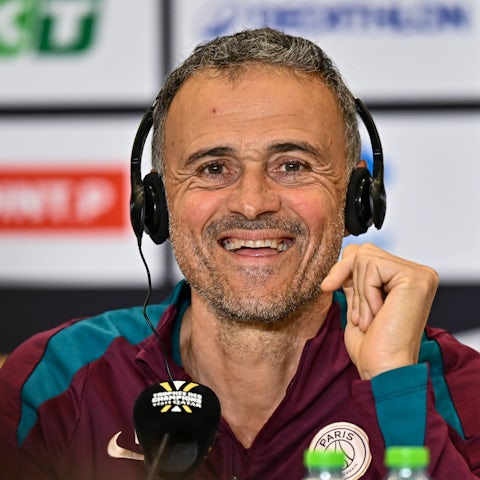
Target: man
256,139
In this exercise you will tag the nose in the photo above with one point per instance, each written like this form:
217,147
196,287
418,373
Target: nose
254,194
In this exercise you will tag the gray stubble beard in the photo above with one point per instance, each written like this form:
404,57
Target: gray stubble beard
247,308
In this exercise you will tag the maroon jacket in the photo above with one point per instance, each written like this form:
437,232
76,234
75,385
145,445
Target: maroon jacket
67,395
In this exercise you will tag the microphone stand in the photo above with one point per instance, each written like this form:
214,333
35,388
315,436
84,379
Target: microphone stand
153,470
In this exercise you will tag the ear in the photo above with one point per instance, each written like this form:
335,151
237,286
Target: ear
361,164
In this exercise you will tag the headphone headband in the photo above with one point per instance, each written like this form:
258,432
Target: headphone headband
365,203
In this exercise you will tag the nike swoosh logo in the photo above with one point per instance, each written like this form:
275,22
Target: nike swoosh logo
114,450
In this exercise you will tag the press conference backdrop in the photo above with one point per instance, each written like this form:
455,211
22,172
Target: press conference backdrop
76,77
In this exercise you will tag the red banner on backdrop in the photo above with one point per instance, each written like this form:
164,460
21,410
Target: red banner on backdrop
58,199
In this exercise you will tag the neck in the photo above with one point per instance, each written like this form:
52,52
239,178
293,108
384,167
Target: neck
249,366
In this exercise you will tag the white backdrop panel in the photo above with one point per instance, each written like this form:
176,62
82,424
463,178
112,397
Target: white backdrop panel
94,51
432,172
85,254
385,49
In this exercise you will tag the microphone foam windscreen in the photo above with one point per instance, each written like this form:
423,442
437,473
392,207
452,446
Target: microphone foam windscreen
177,422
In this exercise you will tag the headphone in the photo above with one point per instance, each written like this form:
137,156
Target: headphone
365,202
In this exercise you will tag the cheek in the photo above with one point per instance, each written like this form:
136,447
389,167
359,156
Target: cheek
317,211
191,212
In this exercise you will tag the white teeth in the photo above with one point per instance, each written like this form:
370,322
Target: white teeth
236,244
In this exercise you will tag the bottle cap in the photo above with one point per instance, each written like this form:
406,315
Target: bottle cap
414,457
324,459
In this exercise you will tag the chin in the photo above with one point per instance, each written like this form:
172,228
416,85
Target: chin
259,307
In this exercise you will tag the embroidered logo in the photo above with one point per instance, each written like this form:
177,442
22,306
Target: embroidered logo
114,450
349,439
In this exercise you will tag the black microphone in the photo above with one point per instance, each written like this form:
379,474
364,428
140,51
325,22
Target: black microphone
176,423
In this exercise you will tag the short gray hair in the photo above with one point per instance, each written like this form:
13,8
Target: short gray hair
265,46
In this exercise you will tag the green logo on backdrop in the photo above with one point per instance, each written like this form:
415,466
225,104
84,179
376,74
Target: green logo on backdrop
47,27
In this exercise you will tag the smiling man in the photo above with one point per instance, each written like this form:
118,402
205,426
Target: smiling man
262,164
256,142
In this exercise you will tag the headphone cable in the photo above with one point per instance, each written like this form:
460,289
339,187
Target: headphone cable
145,314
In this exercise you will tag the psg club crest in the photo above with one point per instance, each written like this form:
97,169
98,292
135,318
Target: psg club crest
352,441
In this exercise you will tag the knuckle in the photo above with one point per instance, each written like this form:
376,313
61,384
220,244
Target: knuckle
425,277
433,276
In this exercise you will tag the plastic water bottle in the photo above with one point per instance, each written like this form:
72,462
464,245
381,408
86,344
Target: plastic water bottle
407,463
324,465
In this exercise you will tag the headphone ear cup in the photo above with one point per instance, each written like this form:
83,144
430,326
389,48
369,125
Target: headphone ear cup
379,201
358,208
156,211
137,210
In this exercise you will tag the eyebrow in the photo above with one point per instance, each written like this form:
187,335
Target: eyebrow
210,152
282,147
294,146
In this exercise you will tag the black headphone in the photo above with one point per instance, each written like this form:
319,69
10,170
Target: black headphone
365,202
148,204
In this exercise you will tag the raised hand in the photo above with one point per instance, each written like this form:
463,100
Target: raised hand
389,300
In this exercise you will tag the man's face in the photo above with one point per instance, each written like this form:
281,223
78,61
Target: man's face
255,181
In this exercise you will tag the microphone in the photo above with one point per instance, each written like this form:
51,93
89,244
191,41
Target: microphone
176,423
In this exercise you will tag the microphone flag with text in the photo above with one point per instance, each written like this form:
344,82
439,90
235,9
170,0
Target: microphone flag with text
176,423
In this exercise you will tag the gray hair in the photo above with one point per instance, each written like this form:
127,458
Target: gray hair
235,52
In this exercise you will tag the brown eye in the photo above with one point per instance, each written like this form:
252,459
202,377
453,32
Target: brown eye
214,169
216,174
292,167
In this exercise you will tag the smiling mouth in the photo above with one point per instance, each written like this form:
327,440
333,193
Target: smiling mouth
236,244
